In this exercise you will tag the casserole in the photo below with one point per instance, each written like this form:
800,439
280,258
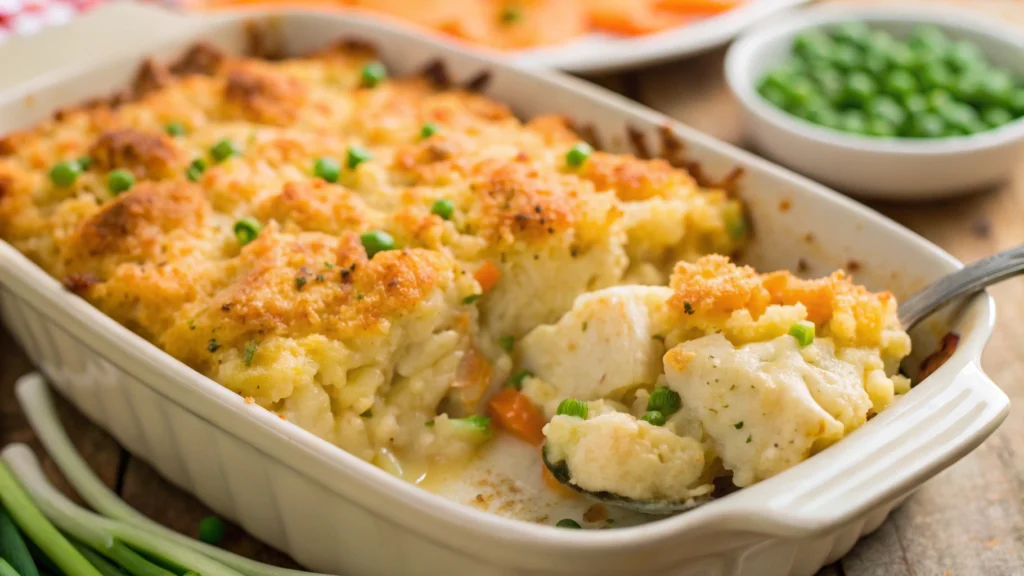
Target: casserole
335,513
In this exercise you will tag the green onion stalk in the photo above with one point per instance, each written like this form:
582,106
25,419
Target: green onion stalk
115,540
37,405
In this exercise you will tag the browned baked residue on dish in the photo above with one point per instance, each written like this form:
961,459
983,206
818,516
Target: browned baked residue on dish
936,359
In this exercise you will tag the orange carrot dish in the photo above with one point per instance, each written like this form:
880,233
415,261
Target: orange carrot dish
517,24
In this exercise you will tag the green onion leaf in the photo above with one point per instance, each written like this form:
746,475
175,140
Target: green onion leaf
13,547
34,525
507,343
803,331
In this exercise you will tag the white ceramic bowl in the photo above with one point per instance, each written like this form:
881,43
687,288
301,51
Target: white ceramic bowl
901,169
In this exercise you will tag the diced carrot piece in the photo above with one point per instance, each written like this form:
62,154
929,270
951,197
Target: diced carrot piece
511,410
487,275
699,6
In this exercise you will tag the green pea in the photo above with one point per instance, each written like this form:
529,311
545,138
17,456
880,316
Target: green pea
915,103
900,55
64,174
961,117
875,63
801,90
882,128
327,168
775,95
996,116
927,125
860,87
887,108
1016,102
846,57
856,33
777,79
822,116
935,74
119,181
964,55
376,241
938,99
997,87
853,121
928,38
881,39
830,82
813,45
969,87
900,83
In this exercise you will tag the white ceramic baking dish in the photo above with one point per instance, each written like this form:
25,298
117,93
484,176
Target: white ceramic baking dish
335,513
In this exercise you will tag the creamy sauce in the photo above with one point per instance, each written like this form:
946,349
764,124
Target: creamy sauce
506,479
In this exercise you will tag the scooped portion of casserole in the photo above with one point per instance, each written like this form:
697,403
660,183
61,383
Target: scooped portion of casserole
652,391
355,253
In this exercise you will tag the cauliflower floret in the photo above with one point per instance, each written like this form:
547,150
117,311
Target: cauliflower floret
600,348
615,452
769,405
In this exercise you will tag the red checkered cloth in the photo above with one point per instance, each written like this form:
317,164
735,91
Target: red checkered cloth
24,17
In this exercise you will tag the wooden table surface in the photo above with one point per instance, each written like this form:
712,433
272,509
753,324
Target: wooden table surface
967,521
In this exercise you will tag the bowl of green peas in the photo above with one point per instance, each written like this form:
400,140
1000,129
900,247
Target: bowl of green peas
896,103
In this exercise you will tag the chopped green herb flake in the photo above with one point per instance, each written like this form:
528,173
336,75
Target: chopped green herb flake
429,424
803,331
471,298
738,425
687,308
369,414
300,281
749,438
568,523
516,381
213,346
249,353
507,343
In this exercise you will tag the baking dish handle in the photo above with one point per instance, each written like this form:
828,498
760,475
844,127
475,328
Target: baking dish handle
913,444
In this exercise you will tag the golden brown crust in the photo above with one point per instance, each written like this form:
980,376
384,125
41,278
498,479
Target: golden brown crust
147,155
162,257
260,95
715,287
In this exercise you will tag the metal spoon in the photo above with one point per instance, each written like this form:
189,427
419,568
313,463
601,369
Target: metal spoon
968,280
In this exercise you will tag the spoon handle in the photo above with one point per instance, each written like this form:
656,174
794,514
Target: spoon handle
968,280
